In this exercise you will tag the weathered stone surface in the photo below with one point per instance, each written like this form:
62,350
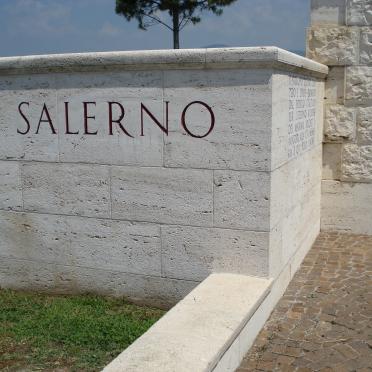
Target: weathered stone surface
333,46
332,161
346,207
193,253
154,60
175,196
366,46
357,163
359,13
291,183
358,85
295,234
119,148
294,198
335,86
10,186
242,200
339,123
34,92
280,142
55,278
240,99
82,190
364,121
328,12
116,245
127,88
81,242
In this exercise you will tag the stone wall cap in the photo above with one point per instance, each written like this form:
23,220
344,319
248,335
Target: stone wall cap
195,334
207,58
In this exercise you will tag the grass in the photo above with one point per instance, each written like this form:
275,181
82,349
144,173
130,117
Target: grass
69,333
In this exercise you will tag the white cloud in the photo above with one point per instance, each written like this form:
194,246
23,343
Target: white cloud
39,17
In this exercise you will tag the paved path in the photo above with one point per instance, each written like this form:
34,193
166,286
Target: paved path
324,320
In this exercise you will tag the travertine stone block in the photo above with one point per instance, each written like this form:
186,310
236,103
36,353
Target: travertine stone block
194,253
10,186
347,207
83,242
359,12
357,163
335,85
66,189
242,200
364,122
280,137
25,132
328,12
291,183
358,90
129,84
333,46
332,161
55,278
366,46
294,232
175,196
119,148
121,246
241,102
32,236
339,123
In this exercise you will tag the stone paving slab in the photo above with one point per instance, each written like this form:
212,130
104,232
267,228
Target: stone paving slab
324,320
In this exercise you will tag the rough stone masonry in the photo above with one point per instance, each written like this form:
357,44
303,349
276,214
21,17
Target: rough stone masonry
340,36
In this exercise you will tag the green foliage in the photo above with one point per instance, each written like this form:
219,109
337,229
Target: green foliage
78,332
182,12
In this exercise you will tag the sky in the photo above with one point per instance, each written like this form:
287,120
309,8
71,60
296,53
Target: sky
63,26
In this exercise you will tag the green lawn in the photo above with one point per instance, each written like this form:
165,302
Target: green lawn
70,333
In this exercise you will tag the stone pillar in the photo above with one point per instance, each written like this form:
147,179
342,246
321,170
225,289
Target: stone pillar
340,36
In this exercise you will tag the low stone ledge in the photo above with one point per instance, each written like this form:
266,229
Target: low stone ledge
196,333
252,57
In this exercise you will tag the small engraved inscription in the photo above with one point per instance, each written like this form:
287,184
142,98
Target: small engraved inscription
301,129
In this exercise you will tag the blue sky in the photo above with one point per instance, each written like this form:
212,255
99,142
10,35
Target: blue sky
62,26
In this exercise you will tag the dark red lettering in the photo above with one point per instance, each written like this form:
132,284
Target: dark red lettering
184,123
117,121
86,117
47,120
67,124
24,117
156,121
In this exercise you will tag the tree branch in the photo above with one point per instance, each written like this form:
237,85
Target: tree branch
157,20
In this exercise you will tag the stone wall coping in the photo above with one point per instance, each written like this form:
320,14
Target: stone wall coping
245,57
195,334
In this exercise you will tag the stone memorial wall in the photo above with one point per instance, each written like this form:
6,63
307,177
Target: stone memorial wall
341,37
140,173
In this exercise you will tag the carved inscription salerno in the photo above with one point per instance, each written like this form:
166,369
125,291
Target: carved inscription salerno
301,129
116,119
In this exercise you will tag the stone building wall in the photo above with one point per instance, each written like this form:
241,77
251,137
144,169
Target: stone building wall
84,207
340,36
